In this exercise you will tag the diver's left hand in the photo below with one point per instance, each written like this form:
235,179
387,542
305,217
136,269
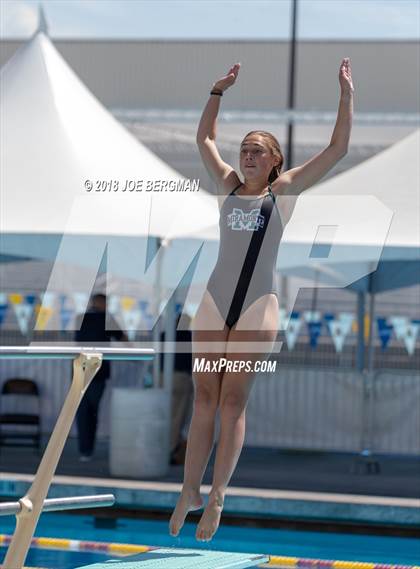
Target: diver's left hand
344,77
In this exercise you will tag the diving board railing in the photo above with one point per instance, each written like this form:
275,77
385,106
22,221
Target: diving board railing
87,361
61,504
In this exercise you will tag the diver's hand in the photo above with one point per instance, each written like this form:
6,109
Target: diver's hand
344,77
229,79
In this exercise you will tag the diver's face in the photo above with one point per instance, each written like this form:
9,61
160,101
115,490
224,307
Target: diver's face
256,159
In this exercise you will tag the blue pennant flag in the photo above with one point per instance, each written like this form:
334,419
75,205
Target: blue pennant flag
329,317
3,310
30,299
143,304
65,316
314,329
385,332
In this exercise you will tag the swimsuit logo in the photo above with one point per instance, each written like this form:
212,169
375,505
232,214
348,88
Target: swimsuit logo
240,221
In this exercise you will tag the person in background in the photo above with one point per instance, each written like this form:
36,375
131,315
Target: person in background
92,329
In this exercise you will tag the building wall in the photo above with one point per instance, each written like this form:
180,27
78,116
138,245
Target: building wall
179,74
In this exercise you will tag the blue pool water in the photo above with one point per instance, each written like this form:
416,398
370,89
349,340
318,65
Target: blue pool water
55,559
346,547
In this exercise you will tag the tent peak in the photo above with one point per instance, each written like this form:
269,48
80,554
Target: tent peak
42,21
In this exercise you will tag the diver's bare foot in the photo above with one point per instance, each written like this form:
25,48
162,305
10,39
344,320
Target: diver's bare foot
188,501
210,519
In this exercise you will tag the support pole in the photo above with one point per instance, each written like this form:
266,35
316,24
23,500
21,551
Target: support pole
360,353
366,463
156,312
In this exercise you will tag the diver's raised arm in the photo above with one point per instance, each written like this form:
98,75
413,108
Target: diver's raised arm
221,172
302,177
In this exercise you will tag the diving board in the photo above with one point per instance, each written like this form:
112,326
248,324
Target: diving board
173,558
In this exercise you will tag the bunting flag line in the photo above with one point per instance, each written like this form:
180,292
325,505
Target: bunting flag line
43,316
66,313
292,331
328,317
312,316
80,300
113,304
48,299
3,307
284,319
314,330
400,324
132,319
346,319
384,332
137,315
15,298
337,334
127,303
30,299
410,337
23,314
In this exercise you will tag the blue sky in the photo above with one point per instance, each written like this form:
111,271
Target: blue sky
229,19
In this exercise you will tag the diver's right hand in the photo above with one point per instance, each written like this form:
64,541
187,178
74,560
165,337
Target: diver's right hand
229,79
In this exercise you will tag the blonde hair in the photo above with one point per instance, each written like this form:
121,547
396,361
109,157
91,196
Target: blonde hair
274,146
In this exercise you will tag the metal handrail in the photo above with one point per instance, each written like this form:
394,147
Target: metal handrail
61,504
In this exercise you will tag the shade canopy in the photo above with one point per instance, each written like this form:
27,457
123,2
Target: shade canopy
59,146
360,229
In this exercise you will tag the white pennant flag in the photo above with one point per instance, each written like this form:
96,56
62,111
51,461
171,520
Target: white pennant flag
80,300
23,313
410,337
284,318
400,324
48,299
113,304
131,322
292,332
312,316
346,320
338,336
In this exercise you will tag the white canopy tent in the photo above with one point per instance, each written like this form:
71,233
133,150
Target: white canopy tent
62,158
392,177
55,135
376,246
76,185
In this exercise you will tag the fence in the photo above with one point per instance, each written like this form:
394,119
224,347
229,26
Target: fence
326,409
296,407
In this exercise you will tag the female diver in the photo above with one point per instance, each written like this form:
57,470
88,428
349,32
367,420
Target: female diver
240,303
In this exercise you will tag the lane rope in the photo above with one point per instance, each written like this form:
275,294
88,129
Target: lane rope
131,549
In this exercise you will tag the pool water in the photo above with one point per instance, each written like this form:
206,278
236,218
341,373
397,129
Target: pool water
55,559
319,545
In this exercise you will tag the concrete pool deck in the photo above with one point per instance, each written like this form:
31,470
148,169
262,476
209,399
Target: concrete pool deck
267,483
239,501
